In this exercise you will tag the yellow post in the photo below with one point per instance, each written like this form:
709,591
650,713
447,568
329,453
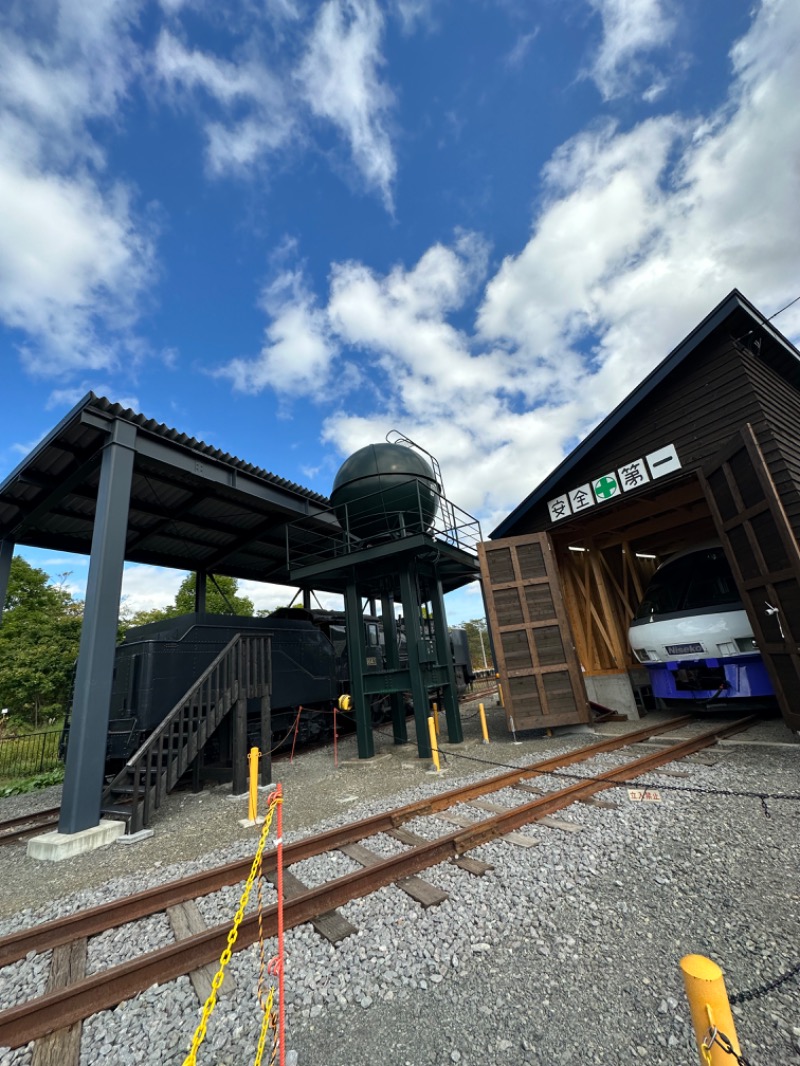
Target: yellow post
434,748
710,1009
252,806
500,692
485,731
436,717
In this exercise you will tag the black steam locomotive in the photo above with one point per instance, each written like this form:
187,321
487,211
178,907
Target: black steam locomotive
157,663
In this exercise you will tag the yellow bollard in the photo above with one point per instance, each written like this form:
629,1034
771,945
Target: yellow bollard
434,748
482,712
252,806
436,717
500,692
710,1009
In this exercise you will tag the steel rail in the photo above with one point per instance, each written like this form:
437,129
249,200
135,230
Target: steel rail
101,991
10,834
150,901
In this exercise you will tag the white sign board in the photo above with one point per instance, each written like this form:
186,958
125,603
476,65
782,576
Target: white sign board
580,498
559,508
632,475
664,461
605,487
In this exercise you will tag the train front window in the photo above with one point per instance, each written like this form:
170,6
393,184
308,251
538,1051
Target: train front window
666,588
711,583
699,580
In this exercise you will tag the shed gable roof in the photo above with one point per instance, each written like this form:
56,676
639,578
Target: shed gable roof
752,328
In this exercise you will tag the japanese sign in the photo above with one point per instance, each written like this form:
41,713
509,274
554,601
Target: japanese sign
580,498
605,487
631,475
664,461
647,795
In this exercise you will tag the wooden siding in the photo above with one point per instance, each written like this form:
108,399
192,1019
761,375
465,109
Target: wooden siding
697,409
779,435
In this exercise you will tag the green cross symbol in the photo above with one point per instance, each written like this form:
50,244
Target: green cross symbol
605,487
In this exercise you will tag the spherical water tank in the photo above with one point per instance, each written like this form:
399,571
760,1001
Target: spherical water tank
385,489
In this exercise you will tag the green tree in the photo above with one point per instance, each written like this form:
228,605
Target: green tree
221,598
39,640
480,649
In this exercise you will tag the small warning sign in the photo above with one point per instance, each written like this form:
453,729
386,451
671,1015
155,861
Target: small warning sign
644,795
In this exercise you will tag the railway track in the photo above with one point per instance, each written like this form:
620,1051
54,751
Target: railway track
15,829
63,1007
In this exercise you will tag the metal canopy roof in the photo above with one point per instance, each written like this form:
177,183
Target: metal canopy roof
192,506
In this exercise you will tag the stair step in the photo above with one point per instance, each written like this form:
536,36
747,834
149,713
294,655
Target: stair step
117,808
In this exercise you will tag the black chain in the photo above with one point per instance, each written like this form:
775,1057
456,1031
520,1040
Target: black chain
766,988
762,796
716,1037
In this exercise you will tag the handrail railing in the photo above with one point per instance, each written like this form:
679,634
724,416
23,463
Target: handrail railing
426,513
241,670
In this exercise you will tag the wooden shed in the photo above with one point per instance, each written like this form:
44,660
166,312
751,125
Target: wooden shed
707,447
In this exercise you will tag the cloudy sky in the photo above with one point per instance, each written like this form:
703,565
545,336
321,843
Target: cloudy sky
289,226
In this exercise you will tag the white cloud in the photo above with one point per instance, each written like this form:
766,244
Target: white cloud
516,57
412,12
340,79
297,356
241,140
72,266
147,588
640,232
74,261
631,29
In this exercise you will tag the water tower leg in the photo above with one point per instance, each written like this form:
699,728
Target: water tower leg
392,652
455,733
356,655
408,592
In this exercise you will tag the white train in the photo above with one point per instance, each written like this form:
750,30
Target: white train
692,633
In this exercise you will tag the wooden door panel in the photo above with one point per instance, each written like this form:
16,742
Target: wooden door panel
536,658
764,557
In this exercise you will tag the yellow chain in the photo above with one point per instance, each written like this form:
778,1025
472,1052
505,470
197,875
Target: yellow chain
225,957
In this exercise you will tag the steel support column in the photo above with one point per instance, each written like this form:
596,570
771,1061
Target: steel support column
200,592
392,652
356,655
6,555
83,778
419,694
444,656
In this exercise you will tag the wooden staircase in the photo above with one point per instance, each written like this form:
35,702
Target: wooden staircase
242,670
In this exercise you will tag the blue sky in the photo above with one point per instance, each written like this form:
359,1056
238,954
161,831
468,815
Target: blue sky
288,227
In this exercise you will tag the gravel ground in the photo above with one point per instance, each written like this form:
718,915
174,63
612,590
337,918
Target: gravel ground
566,952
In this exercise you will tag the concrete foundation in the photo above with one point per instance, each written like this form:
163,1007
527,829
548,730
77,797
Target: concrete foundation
613,691
53,847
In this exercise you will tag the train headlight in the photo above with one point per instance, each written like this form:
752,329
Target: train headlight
645,655
745,644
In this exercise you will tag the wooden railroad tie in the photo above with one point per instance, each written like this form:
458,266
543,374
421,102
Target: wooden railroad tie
332,925
590,801
424,893
464,862
63,1048
186,920
464,821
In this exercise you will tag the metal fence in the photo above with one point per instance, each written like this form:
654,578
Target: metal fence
33,753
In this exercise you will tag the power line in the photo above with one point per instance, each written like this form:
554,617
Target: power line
794,301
